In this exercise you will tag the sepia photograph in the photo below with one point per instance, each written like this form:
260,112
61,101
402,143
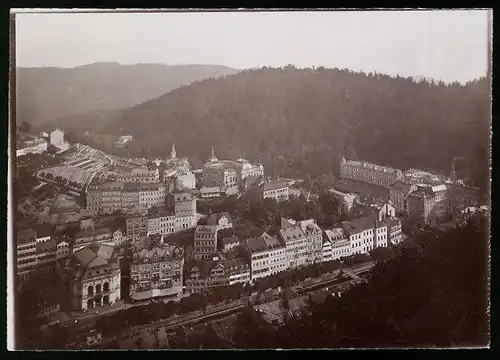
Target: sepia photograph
249,179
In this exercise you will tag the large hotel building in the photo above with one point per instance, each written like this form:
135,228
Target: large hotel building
369,173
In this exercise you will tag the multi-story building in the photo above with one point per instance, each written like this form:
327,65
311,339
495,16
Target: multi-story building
111,197
152,195
156,270
130,196
26,253
139,175
36,251
236,270
136,225
398,194
161,221
208,192
429,205
229,244
266,255
365,234
185,211
340,246
64,248
276,189
394,232
369,173
314,236
94,276
462,197
205,242
203,275
415,176
219,173
296,246
327,250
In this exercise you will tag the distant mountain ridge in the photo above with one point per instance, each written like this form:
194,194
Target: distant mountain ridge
48,93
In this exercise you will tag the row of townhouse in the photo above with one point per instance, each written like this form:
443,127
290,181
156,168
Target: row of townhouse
111,196
203,275
297,243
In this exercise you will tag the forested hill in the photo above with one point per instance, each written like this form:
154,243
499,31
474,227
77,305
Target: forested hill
45,94
305,120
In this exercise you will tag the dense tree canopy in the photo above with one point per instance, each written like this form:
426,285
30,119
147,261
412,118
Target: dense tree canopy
301,121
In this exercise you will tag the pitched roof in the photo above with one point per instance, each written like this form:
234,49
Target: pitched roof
275,185
334,233
292,233
214,218
44,230
359,225
26,236
262,243
94,255
230,240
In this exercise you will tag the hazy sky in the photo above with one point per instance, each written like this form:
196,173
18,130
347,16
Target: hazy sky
445,45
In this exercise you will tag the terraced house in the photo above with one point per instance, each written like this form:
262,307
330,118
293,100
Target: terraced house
203,275
266,254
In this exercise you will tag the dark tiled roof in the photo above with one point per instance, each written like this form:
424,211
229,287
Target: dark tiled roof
230,240
214,218
359,225
26,236
44,230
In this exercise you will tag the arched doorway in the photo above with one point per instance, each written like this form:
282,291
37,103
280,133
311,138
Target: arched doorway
90,291
90,304
105,300
105,287
98,289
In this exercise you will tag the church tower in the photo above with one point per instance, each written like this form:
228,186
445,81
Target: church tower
213,158
172,152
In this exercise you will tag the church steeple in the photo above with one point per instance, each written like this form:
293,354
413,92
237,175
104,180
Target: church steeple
213,157
172,153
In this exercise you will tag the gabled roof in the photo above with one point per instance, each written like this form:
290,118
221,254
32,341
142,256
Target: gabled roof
292,233
214,218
